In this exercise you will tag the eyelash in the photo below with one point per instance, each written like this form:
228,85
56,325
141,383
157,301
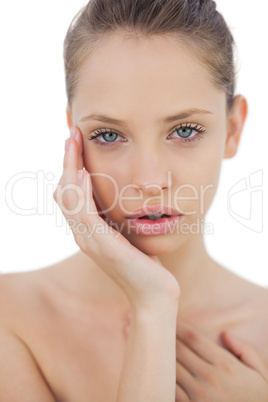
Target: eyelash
200,130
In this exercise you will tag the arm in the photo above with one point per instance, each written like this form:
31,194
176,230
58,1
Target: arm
20,378
149,368
153,292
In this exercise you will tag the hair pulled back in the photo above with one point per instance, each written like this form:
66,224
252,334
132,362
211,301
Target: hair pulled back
196,22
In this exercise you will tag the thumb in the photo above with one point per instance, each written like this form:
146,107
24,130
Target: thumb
244,351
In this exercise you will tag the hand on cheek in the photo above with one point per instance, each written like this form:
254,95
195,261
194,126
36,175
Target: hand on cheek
76,134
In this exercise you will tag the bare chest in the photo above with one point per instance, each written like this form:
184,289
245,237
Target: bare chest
81,354
249,323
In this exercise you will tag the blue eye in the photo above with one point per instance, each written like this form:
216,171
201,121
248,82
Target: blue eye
104,137
185,132
110,137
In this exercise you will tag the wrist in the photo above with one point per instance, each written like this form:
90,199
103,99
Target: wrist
157,308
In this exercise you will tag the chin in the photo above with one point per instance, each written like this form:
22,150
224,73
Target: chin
156,245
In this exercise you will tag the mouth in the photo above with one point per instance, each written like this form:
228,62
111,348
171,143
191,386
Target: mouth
154,216
154,213
154,220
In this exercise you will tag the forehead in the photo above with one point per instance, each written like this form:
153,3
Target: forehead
146,73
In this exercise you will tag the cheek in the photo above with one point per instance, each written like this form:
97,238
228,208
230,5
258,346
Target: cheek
106,180
196,180
209,175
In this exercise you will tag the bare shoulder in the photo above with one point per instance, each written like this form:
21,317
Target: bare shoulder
18,295
257,322
20,375
48,292
61,322
39,293
261,314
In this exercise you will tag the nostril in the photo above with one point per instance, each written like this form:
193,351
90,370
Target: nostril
152,189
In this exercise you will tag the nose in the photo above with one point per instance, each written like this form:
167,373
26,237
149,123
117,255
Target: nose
150,173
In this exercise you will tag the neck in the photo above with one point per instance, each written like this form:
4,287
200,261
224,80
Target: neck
190,265
194,270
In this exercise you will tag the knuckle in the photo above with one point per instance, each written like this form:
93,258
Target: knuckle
191,336
78,228
200,394
210,377
80,241
66,202
251,349
84,219
72,223
68,196
82,246
55,195
227,366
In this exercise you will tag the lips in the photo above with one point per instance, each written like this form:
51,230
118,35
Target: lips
154,216
154,221
154,213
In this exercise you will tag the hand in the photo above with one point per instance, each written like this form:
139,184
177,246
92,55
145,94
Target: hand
207,372
142,278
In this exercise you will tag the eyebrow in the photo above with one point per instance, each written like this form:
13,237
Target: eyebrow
122,123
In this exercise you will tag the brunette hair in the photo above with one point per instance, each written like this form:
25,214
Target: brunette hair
196,22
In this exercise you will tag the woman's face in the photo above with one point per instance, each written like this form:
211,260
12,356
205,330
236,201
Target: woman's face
149,158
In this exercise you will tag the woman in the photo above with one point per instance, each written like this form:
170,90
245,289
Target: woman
142,313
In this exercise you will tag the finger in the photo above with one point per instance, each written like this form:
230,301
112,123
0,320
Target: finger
74,199
104,237
181,395
192,362
67,192
70,160
198,343
245,352
76,134
184,382
88,227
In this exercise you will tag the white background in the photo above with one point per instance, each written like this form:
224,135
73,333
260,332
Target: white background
34,129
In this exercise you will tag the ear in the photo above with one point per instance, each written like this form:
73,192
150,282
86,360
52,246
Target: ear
69,118
235,122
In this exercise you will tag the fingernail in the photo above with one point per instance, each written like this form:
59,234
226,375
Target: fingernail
72,132
67,145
